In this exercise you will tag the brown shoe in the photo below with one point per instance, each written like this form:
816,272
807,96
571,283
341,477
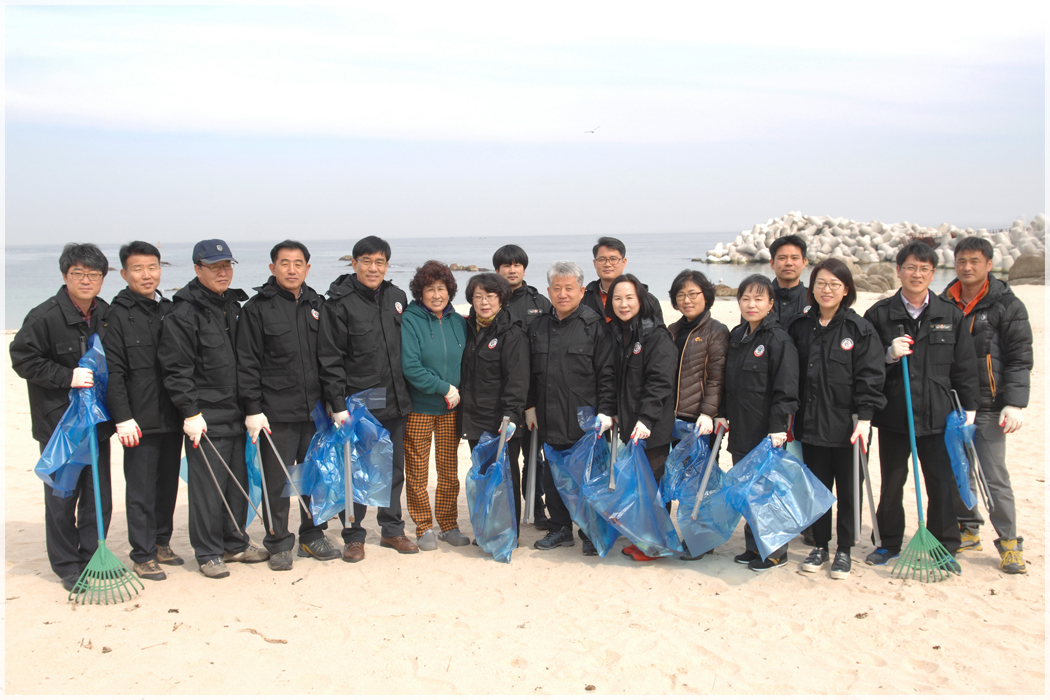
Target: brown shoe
354,552
401,543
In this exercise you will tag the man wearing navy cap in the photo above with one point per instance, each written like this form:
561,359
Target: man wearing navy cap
198,352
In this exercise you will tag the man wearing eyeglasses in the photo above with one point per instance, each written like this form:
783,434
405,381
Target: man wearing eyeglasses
198,351
610,260
45,352
941,357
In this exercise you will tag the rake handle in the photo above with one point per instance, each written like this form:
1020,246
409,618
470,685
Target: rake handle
93,442
911,433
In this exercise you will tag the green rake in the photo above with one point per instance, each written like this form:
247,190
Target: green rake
105,579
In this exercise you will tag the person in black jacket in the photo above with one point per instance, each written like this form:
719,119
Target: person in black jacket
788,260
610,259
277,379
45,352
494,375
198,352
841,371
573,365
359,348
147,423
761,390
525,304
1002,335
940,358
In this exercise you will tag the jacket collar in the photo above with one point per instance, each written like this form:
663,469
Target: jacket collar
129,299
70,311
270,289
199,295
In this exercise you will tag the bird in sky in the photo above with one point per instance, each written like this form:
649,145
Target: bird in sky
593,130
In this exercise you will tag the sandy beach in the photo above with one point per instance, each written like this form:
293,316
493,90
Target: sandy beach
455,621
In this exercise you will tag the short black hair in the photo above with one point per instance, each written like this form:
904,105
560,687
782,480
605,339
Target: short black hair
918,250
699,280
608,242
648,307
840,270
510,255
86,254
755,282
432,272
137,248
490,283
288,244
975,243
787,240
370,245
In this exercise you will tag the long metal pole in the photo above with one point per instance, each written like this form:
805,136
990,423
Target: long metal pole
232,476
712,460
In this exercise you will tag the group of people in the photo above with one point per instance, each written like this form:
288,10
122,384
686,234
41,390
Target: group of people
212,368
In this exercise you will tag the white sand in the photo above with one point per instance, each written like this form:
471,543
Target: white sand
454,621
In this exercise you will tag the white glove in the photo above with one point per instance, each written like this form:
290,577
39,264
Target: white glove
861,433
704,425
721,422
640,432
255,423
1011,419
971,416
194,427
778,438
128,433
340,417
530,418
901,346
606,423
83,378
452,397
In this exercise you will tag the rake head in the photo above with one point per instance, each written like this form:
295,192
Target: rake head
105,580
925,559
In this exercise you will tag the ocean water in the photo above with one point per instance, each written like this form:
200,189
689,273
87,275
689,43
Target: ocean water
32,274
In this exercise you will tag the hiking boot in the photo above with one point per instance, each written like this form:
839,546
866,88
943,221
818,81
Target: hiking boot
354,552
149,570
758,564
250,555
840,568
1012,555
970,540
454,537
427,541
881,557
400,543
807,537
746,557
556,538
215,568
818,557
281,561
167,557
321,549
589,550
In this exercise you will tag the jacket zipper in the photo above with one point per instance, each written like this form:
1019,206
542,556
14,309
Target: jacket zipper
991,377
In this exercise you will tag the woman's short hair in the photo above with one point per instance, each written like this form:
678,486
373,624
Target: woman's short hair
647,304
755,283
839,270
429,273
699,280
490,283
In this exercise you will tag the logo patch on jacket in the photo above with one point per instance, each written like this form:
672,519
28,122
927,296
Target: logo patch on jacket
398,307
806,310
940,326
637,348
317,316
532,312
847,343
760,351
493,342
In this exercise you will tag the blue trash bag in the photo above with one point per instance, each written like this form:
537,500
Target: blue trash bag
490,499
253,461
688,453
68,449
634,506
956,436
777,495
305,474
590,455
715,521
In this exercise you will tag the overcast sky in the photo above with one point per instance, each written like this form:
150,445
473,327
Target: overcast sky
471,119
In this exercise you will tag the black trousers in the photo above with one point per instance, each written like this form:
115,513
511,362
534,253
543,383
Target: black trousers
749,536
151,477
291,440
211,531
513,447
834,465
391,524
70,528
936,465
525,444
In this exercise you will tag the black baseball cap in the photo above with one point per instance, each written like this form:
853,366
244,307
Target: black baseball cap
211,251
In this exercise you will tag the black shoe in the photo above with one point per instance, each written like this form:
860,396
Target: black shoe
841,567
746,557
69,581
951,566
541,521
321,549
765,564
556,538
816,560
589,550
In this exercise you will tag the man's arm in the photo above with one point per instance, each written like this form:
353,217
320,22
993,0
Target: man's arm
178,356
331,349
963,371
30,357
604,371
1015,339
250,348
117,400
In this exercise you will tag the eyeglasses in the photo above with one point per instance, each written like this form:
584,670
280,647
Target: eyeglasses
378,263
608,261
77,275
490,298
921,269
833,286
691,296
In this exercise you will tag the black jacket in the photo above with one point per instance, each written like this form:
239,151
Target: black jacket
841,370
526,305
592,297
942,359
761,390
277,353
789,304
136,380
198,352
1002,338
573,365
494,376
359,345
645,388
45,351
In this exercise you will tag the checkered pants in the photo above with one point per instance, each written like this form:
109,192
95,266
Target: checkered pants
419,430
